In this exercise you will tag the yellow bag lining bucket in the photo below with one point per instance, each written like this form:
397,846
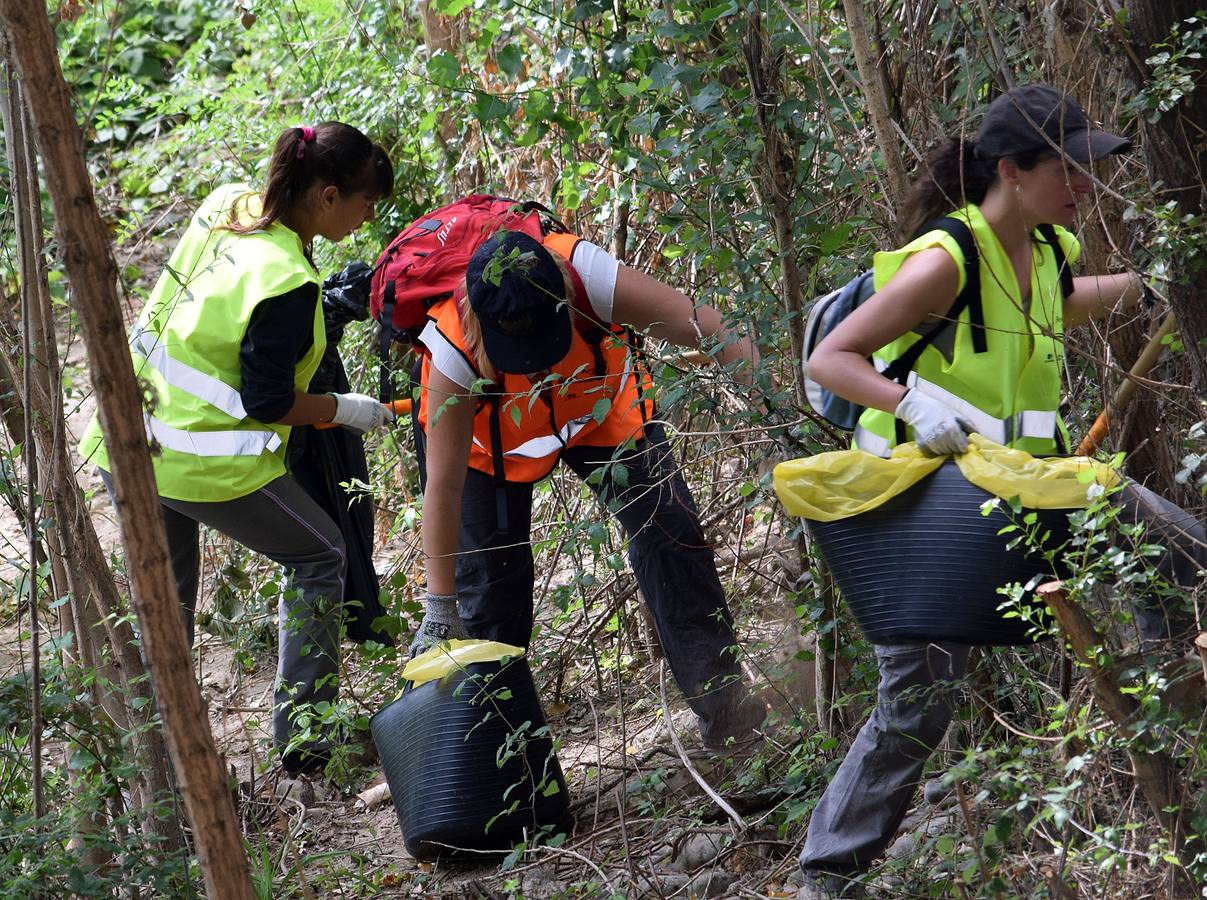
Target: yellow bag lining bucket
843,483
442,660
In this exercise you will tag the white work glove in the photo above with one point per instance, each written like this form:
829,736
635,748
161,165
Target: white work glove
360,412
441,622
938,429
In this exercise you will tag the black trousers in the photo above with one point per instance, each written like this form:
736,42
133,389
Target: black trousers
671,559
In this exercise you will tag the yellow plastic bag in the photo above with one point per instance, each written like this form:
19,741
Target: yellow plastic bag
844,483
832,486
439,661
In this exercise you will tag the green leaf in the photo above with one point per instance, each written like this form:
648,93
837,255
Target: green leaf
510,60
600,410
81,759
488,107
444,69
620,475
833,239
706,98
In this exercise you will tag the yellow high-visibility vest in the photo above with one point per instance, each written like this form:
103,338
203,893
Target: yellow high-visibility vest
1011,392
185,348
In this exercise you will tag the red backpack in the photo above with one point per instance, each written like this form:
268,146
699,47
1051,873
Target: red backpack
426,262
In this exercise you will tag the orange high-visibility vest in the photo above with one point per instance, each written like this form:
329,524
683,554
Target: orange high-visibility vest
596,400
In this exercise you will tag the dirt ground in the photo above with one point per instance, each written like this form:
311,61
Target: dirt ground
644,826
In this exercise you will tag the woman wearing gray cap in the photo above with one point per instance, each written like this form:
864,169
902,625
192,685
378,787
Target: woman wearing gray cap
545,324
994,367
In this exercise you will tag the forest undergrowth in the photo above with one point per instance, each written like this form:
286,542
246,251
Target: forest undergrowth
728,149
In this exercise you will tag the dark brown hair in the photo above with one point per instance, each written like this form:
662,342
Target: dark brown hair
953,176
338,155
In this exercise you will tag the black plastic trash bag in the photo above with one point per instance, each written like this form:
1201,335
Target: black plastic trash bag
323,460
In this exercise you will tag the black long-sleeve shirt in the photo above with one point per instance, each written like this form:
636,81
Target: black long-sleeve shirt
280,332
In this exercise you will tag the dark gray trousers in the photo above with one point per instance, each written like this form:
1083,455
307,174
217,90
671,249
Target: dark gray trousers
672,561
282,522
862,807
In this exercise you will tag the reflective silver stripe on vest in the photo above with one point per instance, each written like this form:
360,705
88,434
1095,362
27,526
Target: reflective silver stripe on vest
211,443
446,358
193,381
535,448
870,442
1028,423
545,445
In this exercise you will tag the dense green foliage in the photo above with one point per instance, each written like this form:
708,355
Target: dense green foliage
636,122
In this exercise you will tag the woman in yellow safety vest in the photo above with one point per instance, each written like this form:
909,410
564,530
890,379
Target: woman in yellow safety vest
995,370
228,342
545,323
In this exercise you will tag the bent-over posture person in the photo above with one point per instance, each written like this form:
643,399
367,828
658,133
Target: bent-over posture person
229,340
541,322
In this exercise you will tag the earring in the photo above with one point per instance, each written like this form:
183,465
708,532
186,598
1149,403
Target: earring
1018,189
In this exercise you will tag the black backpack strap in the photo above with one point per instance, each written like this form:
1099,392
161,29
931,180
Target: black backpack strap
385,388
494,396
1048,233
636,341
550,223
969,298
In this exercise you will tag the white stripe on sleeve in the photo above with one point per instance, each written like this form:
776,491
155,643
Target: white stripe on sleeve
597,268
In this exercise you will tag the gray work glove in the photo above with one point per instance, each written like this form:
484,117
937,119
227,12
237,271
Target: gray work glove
938,429
360,412
441,622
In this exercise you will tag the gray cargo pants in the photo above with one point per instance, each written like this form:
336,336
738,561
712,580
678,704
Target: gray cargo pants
861,809
281,521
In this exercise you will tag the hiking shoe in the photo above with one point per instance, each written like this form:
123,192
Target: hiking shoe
734,734
821,885
310,760
356,748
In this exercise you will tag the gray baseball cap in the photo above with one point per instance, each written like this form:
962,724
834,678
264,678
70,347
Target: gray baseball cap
1035,117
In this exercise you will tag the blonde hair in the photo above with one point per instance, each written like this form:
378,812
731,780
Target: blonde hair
472,331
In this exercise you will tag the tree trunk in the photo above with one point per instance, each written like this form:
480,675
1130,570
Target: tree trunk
1155,772
775,179
92,272
877,99
444,34
1080,57
74,537
1177,159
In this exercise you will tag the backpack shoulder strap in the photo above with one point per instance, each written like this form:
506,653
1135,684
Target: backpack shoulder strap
494,396
969,298
1048,233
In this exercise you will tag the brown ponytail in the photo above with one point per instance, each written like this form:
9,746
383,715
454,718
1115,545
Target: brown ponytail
329,153
954,175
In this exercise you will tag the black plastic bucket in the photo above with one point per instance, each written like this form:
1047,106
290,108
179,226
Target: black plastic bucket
469,761
926,565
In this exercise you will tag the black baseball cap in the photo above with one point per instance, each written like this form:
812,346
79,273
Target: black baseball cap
518,293
1037,117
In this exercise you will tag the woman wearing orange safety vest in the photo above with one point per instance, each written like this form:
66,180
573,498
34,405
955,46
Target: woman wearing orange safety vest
541,323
